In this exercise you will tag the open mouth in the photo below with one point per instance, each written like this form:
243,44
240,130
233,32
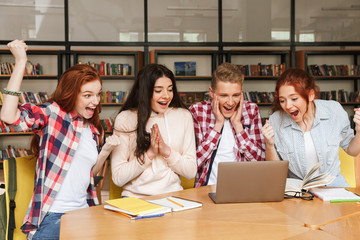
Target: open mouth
90,110
228,109
294,113
163,104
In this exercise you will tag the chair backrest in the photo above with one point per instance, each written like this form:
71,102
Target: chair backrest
347,167
25,172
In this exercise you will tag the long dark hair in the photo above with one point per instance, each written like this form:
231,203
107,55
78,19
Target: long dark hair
140,99
66,93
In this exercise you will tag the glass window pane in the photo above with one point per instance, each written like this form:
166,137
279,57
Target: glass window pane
327,20
256,20
32,20
183,21
110,20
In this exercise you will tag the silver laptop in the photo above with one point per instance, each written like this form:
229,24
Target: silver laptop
245,182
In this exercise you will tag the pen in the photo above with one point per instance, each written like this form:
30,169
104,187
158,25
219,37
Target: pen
148,216
343,200
175,202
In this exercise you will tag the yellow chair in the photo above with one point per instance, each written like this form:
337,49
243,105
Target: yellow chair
347,167
25,172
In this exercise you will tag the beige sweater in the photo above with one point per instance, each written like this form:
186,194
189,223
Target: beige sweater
160,175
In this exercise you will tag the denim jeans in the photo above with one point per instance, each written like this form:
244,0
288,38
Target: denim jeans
49,228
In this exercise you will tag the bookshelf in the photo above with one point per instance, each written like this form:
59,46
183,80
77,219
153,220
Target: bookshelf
261,68
111,65
333,70
50,61
191,88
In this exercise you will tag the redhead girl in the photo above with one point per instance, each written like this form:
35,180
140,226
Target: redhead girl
68,134
157,137
305,130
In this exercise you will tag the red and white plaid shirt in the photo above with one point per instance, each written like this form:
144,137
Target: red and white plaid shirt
250,144
59,135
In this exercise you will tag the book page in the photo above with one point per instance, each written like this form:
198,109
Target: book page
186,204
311,173
293,184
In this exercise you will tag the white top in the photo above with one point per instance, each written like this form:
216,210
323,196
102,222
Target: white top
225,151
159,175
72,193
310,153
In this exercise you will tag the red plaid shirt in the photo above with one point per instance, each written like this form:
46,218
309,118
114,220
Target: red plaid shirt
59,134
250,144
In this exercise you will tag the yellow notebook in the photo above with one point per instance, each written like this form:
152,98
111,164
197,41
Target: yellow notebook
134,206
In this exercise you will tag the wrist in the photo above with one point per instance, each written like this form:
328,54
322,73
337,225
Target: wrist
218,126
166,153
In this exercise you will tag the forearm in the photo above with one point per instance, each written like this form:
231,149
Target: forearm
100,161
124,171
271,153
354,146
9,111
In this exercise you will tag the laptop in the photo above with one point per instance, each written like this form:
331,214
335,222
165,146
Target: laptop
246,182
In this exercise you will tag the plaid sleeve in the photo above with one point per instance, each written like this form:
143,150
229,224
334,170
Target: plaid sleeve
206,137
250,142
31,117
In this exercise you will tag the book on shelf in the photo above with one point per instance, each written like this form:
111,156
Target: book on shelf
333,70
333,194
11,151
259,97
312,179
31,97
176,203
134,206
189,98
113,97
259,69
107,124
110,69
185,68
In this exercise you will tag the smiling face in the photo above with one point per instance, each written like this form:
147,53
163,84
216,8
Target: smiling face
88,99
293,103
228,95
162,95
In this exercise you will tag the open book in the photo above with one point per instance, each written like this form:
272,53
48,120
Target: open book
135,207
176,204
309,180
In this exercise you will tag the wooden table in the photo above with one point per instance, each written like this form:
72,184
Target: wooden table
275,220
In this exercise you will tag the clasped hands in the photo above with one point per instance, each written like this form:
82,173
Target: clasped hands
157,146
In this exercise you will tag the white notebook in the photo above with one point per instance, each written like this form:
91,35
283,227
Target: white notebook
176,204
334,194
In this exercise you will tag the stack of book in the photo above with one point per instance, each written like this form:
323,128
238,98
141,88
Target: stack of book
11,151
136,208
111,68
113,97
107,124
30,69
259,69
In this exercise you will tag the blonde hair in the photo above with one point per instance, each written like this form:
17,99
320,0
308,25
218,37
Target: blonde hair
227,72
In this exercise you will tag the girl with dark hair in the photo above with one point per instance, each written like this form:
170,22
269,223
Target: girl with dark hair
306,131
157,136
66,143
